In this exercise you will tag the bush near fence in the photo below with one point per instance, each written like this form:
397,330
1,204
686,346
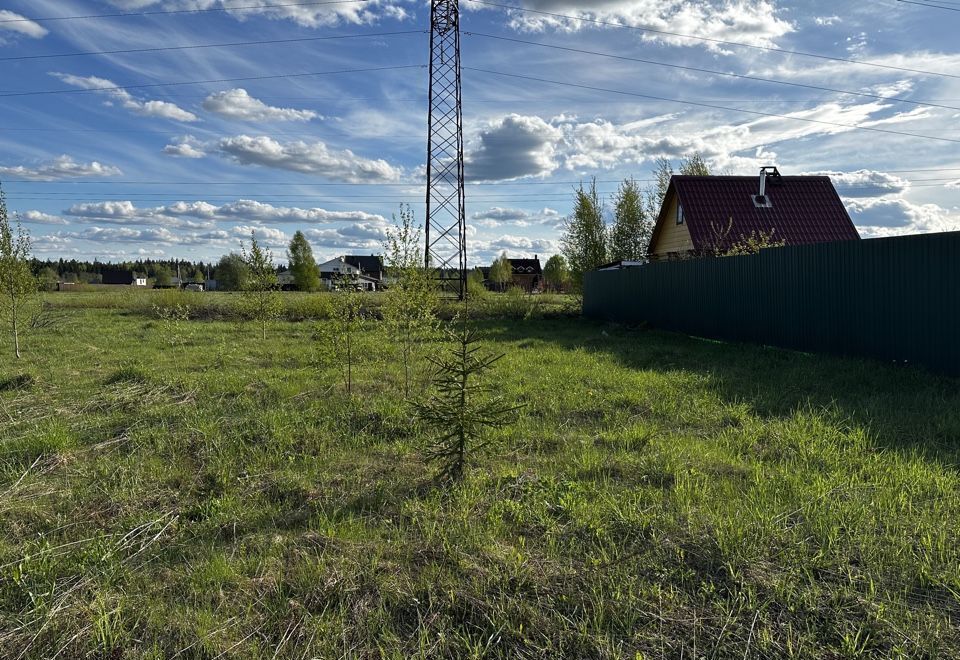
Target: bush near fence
888,298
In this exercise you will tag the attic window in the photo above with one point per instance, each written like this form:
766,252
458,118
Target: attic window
679,214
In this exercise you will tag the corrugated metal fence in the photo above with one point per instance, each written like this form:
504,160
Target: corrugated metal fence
889,298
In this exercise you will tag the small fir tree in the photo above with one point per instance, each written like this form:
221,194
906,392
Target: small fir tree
464,407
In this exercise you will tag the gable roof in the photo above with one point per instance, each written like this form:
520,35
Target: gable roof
368,264
803,210
118,277
526,266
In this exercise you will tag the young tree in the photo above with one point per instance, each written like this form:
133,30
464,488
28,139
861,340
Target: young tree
694,165
655,194
409,308
231,273
630,235
555,272
306,277
162,276
17,283
347,322
501,272
48,279
261,300
584,240
463,408
475,287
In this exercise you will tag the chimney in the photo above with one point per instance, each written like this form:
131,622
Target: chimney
761,200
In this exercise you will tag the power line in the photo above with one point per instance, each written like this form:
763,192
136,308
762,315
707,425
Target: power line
160,12
209,81
227,44
716,41
715,107
928,4
711,71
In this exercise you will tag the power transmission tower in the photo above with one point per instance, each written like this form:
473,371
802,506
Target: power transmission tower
446,228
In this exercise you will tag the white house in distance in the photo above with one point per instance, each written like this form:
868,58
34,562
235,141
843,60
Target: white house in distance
329,270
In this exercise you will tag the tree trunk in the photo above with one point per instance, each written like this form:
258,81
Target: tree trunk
16,333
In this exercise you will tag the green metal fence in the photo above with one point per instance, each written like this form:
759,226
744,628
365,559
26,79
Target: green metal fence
888,298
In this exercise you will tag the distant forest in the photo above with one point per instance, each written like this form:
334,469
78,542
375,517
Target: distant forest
71,270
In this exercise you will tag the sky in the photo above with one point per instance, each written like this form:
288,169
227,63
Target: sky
170,152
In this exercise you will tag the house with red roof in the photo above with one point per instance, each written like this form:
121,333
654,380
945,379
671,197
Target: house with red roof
704,215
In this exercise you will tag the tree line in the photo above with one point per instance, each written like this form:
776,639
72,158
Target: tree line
588,241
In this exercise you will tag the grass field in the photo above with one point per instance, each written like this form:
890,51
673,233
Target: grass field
181,489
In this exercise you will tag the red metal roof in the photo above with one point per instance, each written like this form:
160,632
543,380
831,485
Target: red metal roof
804,209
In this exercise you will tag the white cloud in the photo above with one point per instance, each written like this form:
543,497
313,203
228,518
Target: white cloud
18,24
269,237
498,216
179,214
62,167
40,218
514,147
162,109
866,183
186,146
755,23
894,216
304,14
308,158
238,104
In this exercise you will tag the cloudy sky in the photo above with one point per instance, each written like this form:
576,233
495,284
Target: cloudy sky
321,125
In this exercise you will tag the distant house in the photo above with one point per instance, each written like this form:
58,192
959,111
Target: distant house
527,274
331,271
123,278
367,271
709,214
371,266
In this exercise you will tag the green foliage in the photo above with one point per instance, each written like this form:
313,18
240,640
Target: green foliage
162,276
409,307
476,289
584,240
658,496
231,273
501,272
693,165
464,407
756,241
632,227
556,274
306,276
48,279
261,300
347,319
720,244
18,286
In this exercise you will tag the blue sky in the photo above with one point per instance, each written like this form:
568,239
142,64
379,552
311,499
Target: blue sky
147,169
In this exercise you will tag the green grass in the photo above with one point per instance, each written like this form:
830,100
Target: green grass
182,489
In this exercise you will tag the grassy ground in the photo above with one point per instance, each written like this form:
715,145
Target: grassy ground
182,489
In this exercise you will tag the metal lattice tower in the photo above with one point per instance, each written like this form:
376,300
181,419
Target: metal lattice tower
446,229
